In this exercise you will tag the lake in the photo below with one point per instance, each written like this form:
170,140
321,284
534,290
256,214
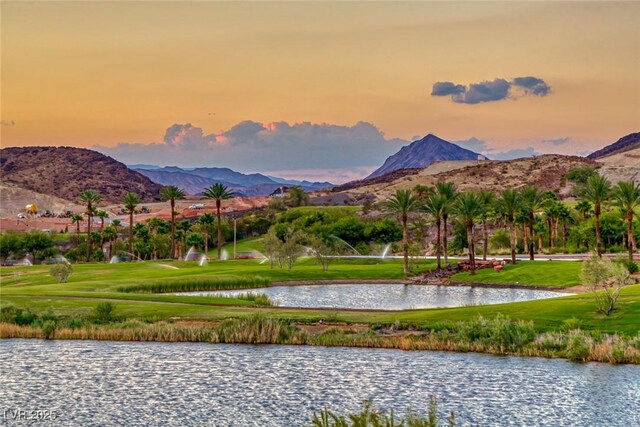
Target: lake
147,384
388,296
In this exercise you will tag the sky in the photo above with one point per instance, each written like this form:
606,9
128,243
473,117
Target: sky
319,91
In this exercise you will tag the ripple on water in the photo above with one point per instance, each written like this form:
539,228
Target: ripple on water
110,383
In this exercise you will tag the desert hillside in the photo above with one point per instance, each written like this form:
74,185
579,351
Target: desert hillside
64,172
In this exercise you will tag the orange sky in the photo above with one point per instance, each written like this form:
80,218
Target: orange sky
86,73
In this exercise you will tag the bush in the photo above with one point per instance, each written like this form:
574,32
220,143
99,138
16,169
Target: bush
103,312
572,324
631,266
48,329
61,272
577,346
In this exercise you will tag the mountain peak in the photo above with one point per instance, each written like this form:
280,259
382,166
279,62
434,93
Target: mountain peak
423,152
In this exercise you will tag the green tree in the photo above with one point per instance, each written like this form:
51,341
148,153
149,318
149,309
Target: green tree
487,200
532,201
207,221
218,192
585,208
76,219
130,201
109,234
434,205
401,204
10,242
116,223
468,207
36,241
172,193
102,215
597,191
508,205
91,199
296,196
627,197
449,191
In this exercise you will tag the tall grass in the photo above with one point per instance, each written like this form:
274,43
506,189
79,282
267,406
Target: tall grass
192,284
258,299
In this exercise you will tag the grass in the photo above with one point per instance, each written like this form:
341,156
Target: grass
554,274
133,286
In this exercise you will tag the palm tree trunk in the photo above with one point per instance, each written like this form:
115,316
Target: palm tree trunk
173,229
631,239
485,236
598,236
89,215
206,240
472,255
405,245
218,203
438,248
564,237
531,237
445,245
514,238
131,231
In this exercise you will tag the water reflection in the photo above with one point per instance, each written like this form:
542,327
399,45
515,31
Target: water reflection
108,383
389,297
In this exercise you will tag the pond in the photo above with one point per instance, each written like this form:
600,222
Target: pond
143,384
389,296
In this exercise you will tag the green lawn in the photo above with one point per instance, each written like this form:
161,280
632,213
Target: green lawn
557,274
90,283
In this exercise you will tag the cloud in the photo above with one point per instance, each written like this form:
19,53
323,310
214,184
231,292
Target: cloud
252,146
557,142
447,88
532,85
474,144
494,90
516,153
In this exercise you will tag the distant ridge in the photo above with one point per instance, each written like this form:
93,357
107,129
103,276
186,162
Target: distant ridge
421,153
626,143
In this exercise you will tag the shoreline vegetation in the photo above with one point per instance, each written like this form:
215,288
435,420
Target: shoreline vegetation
498,336
134,302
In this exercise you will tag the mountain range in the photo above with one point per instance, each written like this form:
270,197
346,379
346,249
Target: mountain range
195,180
422,153
624,144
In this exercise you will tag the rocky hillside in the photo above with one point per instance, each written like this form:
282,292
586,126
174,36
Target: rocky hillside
626,143
546,172
421,153
66,171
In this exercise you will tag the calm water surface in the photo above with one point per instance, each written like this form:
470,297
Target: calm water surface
170,384
388,297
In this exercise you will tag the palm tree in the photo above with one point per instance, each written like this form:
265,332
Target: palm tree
172,193
532,201
597,190
131,201
508,205
206,220
402,204
468,207
102,215
218,192
434,205
75,219
109,234
448,190
584,207
116,223
627,198
91,199
487,200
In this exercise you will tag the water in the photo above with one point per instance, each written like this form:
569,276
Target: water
388,297
148,384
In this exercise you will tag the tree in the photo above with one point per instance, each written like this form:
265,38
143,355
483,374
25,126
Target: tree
218,192
508,205
10,242
207,221
532,201
271,245
61,272
597,191
434,205
91,199
322,250
109,234
584,208
627,197
75,219
401,204
131,201
116,223
296,196
172,193
604,279
448,190
102,215
468,207
487,200
36,241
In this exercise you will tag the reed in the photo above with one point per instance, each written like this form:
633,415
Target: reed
193,284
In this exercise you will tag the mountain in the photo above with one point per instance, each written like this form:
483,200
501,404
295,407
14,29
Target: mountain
421,153
625,143
303,183
65,172
195,180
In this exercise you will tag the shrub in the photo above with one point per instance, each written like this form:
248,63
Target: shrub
577,346
604,279
61,272
572,324
103,312
48,329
